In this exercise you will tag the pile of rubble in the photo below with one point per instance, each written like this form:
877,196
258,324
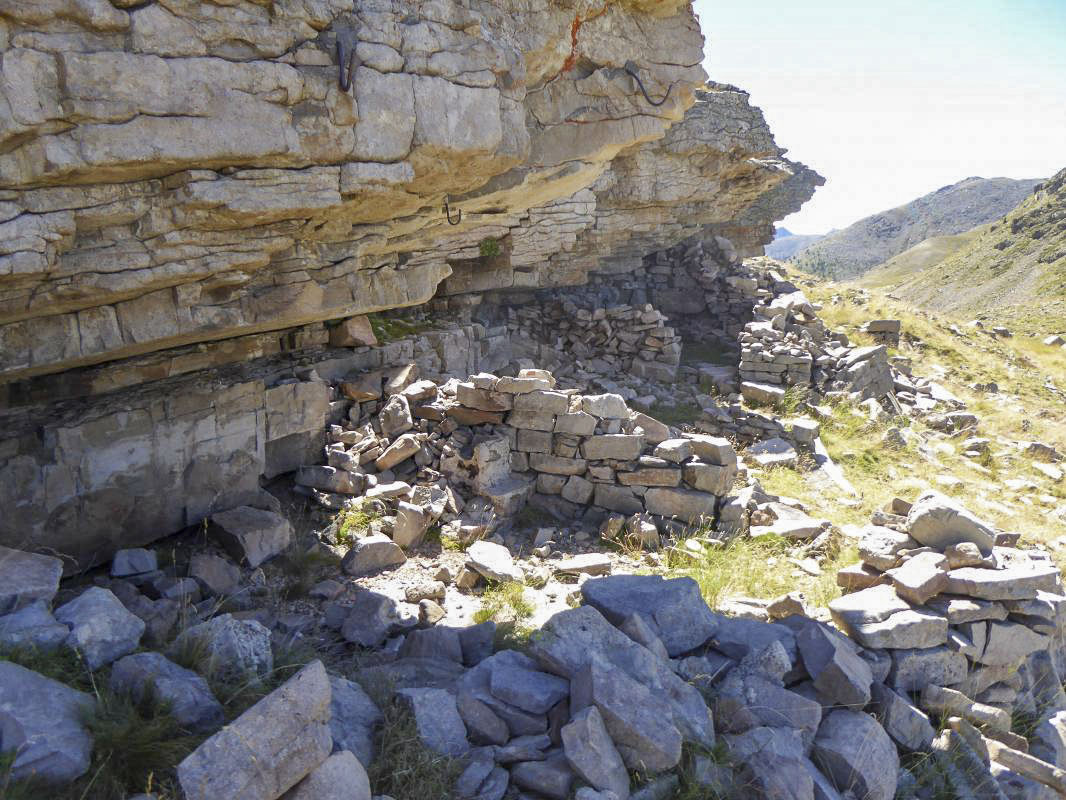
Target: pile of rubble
948,631
469,454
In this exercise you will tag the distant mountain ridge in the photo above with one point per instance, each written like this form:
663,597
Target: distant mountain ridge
1014,268
786,244
877,238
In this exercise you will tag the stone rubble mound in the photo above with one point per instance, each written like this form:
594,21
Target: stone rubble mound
469,454
947,633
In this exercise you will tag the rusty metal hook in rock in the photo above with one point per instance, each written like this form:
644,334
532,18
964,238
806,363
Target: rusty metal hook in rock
634,70
347,63
448,214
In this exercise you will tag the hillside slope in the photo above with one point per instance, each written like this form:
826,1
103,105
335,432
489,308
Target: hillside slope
1015,267
924,255
787,244
949,210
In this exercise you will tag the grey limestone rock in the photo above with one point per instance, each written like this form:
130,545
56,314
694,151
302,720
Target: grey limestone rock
269,748
188,695
41,720
101,628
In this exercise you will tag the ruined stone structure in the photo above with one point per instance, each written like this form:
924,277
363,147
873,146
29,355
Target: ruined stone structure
190,194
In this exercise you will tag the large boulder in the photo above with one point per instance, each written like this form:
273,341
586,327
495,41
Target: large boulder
674,609
27,578
938,522
41,722
101,628
269,748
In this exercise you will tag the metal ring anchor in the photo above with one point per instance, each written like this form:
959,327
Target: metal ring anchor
448,214
346,63
634,70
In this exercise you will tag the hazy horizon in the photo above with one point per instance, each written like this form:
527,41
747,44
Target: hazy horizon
890,104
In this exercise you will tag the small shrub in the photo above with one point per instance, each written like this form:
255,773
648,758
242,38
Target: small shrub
505,602
489,247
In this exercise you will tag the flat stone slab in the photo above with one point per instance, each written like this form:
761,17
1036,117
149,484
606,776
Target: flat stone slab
440,727
41,721
1012,583
353,718
34,626
27,578
494,561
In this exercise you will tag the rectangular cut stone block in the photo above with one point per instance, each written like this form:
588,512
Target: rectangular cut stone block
269,748
617,498
685,504
619,446
557,465
531,420
533,441
650,477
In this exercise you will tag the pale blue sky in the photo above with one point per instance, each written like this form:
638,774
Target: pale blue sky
891,100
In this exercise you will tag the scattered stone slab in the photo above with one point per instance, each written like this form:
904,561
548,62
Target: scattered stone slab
856,753
41,721
585,564
353,719
920,577
592,754
269,748
371,619
494,561
530,690
151,674
913,669
251,535
101,628
762,393
440,727
216,576
838,673
907,725
339,777
631,715
27,578
33,626
371,554
551,777
775,452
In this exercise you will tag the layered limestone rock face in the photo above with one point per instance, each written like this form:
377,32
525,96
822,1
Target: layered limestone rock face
188,195
187,171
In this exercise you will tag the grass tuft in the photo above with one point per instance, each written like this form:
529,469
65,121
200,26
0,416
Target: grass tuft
404,768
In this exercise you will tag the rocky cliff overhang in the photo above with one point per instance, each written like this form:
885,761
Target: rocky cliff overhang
180,172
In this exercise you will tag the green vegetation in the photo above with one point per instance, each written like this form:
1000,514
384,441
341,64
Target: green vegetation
352,522
390,328
504,602
676,414
489,247
404,768
746,567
